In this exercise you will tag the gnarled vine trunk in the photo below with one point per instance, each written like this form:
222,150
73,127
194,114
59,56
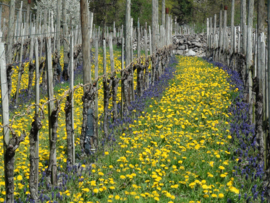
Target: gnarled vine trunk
9,158
33,137
107,84
115,83
52,167
88,139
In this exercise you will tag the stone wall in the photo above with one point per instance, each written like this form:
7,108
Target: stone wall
190,45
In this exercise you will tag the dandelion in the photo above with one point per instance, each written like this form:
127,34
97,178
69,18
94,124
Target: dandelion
220,195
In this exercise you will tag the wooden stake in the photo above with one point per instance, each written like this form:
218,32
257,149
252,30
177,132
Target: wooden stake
104,59
131,39
207,31
167,29
52,160
220,31
111,52
249,40
139,41
122,85
215,23
243,23
262,62
154,26
58,27
239,39
71,97
127,33
150,41
268,66
163,13
10,31
91,24
131,56
145,43
85,44
234,40
35,139
5,118
27,19
225,31
105,121
146,55
96,97
232,27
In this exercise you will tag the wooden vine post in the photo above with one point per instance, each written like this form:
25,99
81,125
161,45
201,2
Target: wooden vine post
268,76
167,26
127,34
210,31
107,83
146,58
243,26
154,31
5,120
259,93
31,64
139,41
220,34
52,117
263,73
122,81
10,43
64,23
27,26
58,27
114,82
207,33
96,96
69,109
214,32
132,95
225,30
232,26
163,13
34,137
86,66
249,56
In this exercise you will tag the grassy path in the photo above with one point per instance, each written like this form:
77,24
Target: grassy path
178,151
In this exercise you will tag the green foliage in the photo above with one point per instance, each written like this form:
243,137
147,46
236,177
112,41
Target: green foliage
187,11
183,11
